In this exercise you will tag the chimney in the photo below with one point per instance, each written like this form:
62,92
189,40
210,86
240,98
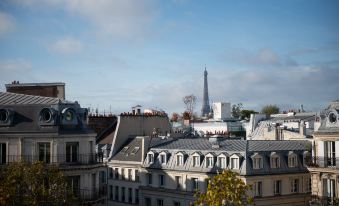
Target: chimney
302,128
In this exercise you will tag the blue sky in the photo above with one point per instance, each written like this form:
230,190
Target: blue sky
119,53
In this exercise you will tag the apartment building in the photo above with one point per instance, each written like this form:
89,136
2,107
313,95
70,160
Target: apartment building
324,167
52,130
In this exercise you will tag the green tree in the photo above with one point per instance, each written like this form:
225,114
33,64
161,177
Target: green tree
236,110
33,184
246,113
270,109
225,189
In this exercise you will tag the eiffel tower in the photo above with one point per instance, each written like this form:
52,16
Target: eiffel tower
206,109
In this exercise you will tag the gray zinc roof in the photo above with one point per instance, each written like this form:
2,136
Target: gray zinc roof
8,98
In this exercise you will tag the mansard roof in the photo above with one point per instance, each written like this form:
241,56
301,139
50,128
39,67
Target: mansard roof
8,98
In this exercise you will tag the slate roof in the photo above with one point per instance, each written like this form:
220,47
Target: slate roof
8,98
243,148
128,155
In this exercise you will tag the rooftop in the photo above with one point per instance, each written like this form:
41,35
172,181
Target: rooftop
8,98
17,84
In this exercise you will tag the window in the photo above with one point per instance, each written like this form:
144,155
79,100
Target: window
122,173
3,153
196,161
116,173
180,160
135,150
130,195
149,178
257,163
292,160
116,193
178,181
160,202
195,184
111,173
294,186
209,162
73,182
123,194
161,180
277,187
44,152
148,201
176,203
150,158
129,173
234,163
330,153
111,192
136,196
72,151
222,162
124,149
258,189
329,189
308,185
136,178
275,162
163,158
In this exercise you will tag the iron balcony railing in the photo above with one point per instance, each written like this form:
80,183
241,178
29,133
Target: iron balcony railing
64,159
87,195
323,201
318,161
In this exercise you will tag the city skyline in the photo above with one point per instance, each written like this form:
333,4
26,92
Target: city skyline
120,53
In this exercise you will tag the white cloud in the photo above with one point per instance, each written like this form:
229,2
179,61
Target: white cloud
110,18
66,45
6,23
14,66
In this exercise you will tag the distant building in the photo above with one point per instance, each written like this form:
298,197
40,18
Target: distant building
149,171
206,109
54,131
56,89
324,167
291,126
221,110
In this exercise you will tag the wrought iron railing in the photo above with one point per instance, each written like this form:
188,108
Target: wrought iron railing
73,159
318,161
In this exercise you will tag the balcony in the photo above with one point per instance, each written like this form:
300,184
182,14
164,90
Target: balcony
322,162
91,195
61,160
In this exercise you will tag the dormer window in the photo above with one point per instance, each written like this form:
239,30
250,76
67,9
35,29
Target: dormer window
292,159
180,159
196,159
257,161
221,161
150,158
275,160
209,160
234,159
162,158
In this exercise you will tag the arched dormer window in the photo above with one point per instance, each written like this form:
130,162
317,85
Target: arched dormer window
292,159
150,157
180,159
257,161
275,160
235,161
196,159
222,160
209,160
163,157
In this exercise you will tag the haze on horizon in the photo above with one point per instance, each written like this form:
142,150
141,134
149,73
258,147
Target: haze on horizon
124,52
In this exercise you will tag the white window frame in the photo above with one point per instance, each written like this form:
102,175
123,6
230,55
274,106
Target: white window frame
275,186
163,155
258,189
196,160
179,157
292,160
209,160
237,162
219,161
150,157
295,185
275,160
